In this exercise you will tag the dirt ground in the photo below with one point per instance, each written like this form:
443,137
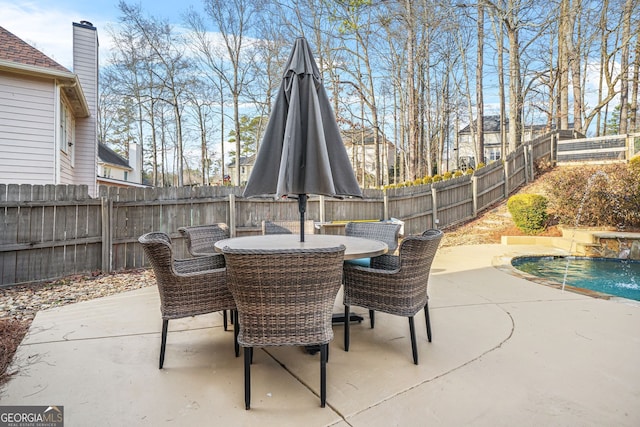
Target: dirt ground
495,222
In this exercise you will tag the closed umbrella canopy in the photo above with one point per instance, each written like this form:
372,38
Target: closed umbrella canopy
302,151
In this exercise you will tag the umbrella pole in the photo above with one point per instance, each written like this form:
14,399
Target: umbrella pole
302,208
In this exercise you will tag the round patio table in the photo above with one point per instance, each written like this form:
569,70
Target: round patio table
355,247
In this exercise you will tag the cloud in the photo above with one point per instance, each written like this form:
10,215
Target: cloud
47,28
49,31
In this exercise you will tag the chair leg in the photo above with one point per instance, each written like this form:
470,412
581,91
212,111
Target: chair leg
247,377
236,330
346,328
163,342
324,354
372,318
428,319
414,347
224,319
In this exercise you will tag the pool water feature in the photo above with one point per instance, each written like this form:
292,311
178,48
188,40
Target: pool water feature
617,277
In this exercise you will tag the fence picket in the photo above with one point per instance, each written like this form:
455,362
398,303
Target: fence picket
54,230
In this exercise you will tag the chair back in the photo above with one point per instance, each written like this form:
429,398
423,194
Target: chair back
416,255
287,227
284,297
200,238
384,231
157,248
187,287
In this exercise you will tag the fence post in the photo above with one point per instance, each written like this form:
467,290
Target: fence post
531,163
474,189
322,211
434,210
526,164
107,235
630,141
553,155
506,178
232,215
385,201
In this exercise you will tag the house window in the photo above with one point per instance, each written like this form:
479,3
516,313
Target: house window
67,134
63,128
126,175
492,154
106,172
242,170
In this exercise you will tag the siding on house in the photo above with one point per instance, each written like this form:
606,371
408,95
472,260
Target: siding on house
27,129
85,65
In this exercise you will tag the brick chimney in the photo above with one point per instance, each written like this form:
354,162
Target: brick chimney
85,66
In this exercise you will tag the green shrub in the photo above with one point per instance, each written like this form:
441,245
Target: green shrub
437,178
469,171
634,163
458,173
417,181
447,175
481,165
529,212
427,180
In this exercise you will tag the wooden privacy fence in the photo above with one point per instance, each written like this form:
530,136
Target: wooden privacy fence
48,232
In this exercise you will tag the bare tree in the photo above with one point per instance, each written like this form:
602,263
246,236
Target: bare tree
233,20
479,75
172,67
624,65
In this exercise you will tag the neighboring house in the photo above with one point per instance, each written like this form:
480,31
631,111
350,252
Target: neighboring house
492,139
361,145
115,170
246,166
48,114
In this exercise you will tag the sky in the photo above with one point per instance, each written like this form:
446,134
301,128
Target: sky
47,24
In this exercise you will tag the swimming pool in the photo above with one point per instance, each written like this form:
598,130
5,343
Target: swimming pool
607,275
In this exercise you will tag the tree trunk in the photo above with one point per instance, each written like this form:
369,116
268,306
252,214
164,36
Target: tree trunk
624,67
479,87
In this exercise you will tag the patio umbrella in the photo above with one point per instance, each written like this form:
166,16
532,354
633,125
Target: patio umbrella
302,151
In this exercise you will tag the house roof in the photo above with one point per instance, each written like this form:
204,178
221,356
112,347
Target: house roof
17,50
354,136
490,124
107,155
18,56
244,161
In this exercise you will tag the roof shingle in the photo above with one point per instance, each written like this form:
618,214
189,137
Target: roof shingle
16,50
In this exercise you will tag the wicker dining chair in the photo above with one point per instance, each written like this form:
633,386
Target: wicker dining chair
394,284
187,287
386,232
284,298
200,240
287,227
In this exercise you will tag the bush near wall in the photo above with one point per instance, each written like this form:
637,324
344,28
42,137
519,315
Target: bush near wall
596,195
529,212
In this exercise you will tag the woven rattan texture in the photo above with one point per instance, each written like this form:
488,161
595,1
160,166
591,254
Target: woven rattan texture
394,284
287,227
284,297
187,287
200,239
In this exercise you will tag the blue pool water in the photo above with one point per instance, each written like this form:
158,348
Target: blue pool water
610,276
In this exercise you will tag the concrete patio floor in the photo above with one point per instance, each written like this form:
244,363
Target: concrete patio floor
505,352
